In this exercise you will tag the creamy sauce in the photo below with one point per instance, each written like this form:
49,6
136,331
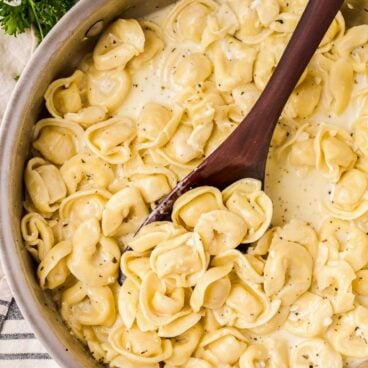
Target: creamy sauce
294,195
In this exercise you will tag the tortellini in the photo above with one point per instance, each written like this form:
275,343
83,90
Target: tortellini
288,271
309,316
156,124
162,304
78,207
152,46
111,140
270,353
153,234
88,306
305,99
325,148
153,181
181,260
57,140
316,353
334,281
45,185
37,234
267,59
67,98
220,230
260,308
203,104
53,270
246,266
86,172
124,212
348,334
233,63
138,346
188,19
184,346
190,206
251,30
222,347
348,197
123,40
135,265
213,289
341,80
353,46
94,259
180,151
246,198
192,70
108,88
343,240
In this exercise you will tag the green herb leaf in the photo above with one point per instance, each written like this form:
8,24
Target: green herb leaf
42,15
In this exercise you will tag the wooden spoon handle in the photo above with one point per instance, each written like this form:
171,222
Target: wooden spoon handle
245,151
309,33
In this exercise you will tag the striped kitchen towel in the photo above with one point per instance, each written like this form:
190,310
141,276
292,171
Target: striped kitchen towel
19,347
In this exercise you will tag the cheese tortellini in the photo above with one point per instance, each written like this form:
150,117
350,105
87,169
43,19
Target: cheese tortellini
325,148
222,347
58,140
288,270
111,140
348,334
67,98
45,185
228,281
270,353
123,40
316,353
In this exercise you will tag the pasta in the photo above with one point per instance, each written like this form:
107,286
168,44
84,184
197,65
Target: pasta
83,172
288,270
53,270
270,352
316,352
58,140
153,44
37,235
348,334
123,40
233,63
66,98
45,185
309,316
108,88
223,346
111,140
94,259
239,277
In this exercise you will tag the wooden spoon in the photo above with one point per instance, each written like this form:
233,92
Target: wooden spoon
244,153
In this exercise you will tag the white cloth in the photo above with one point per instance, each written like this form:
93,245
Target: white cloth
19,347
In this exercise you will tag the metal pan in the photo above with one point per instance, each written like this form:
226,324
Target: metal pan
58,55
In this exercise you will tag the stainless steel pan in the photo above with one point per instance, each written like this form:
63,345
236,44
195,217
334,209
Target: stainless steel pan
71,39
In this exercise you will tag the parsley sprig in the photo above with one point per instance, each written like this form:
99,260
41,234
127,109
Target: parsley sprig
16,16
